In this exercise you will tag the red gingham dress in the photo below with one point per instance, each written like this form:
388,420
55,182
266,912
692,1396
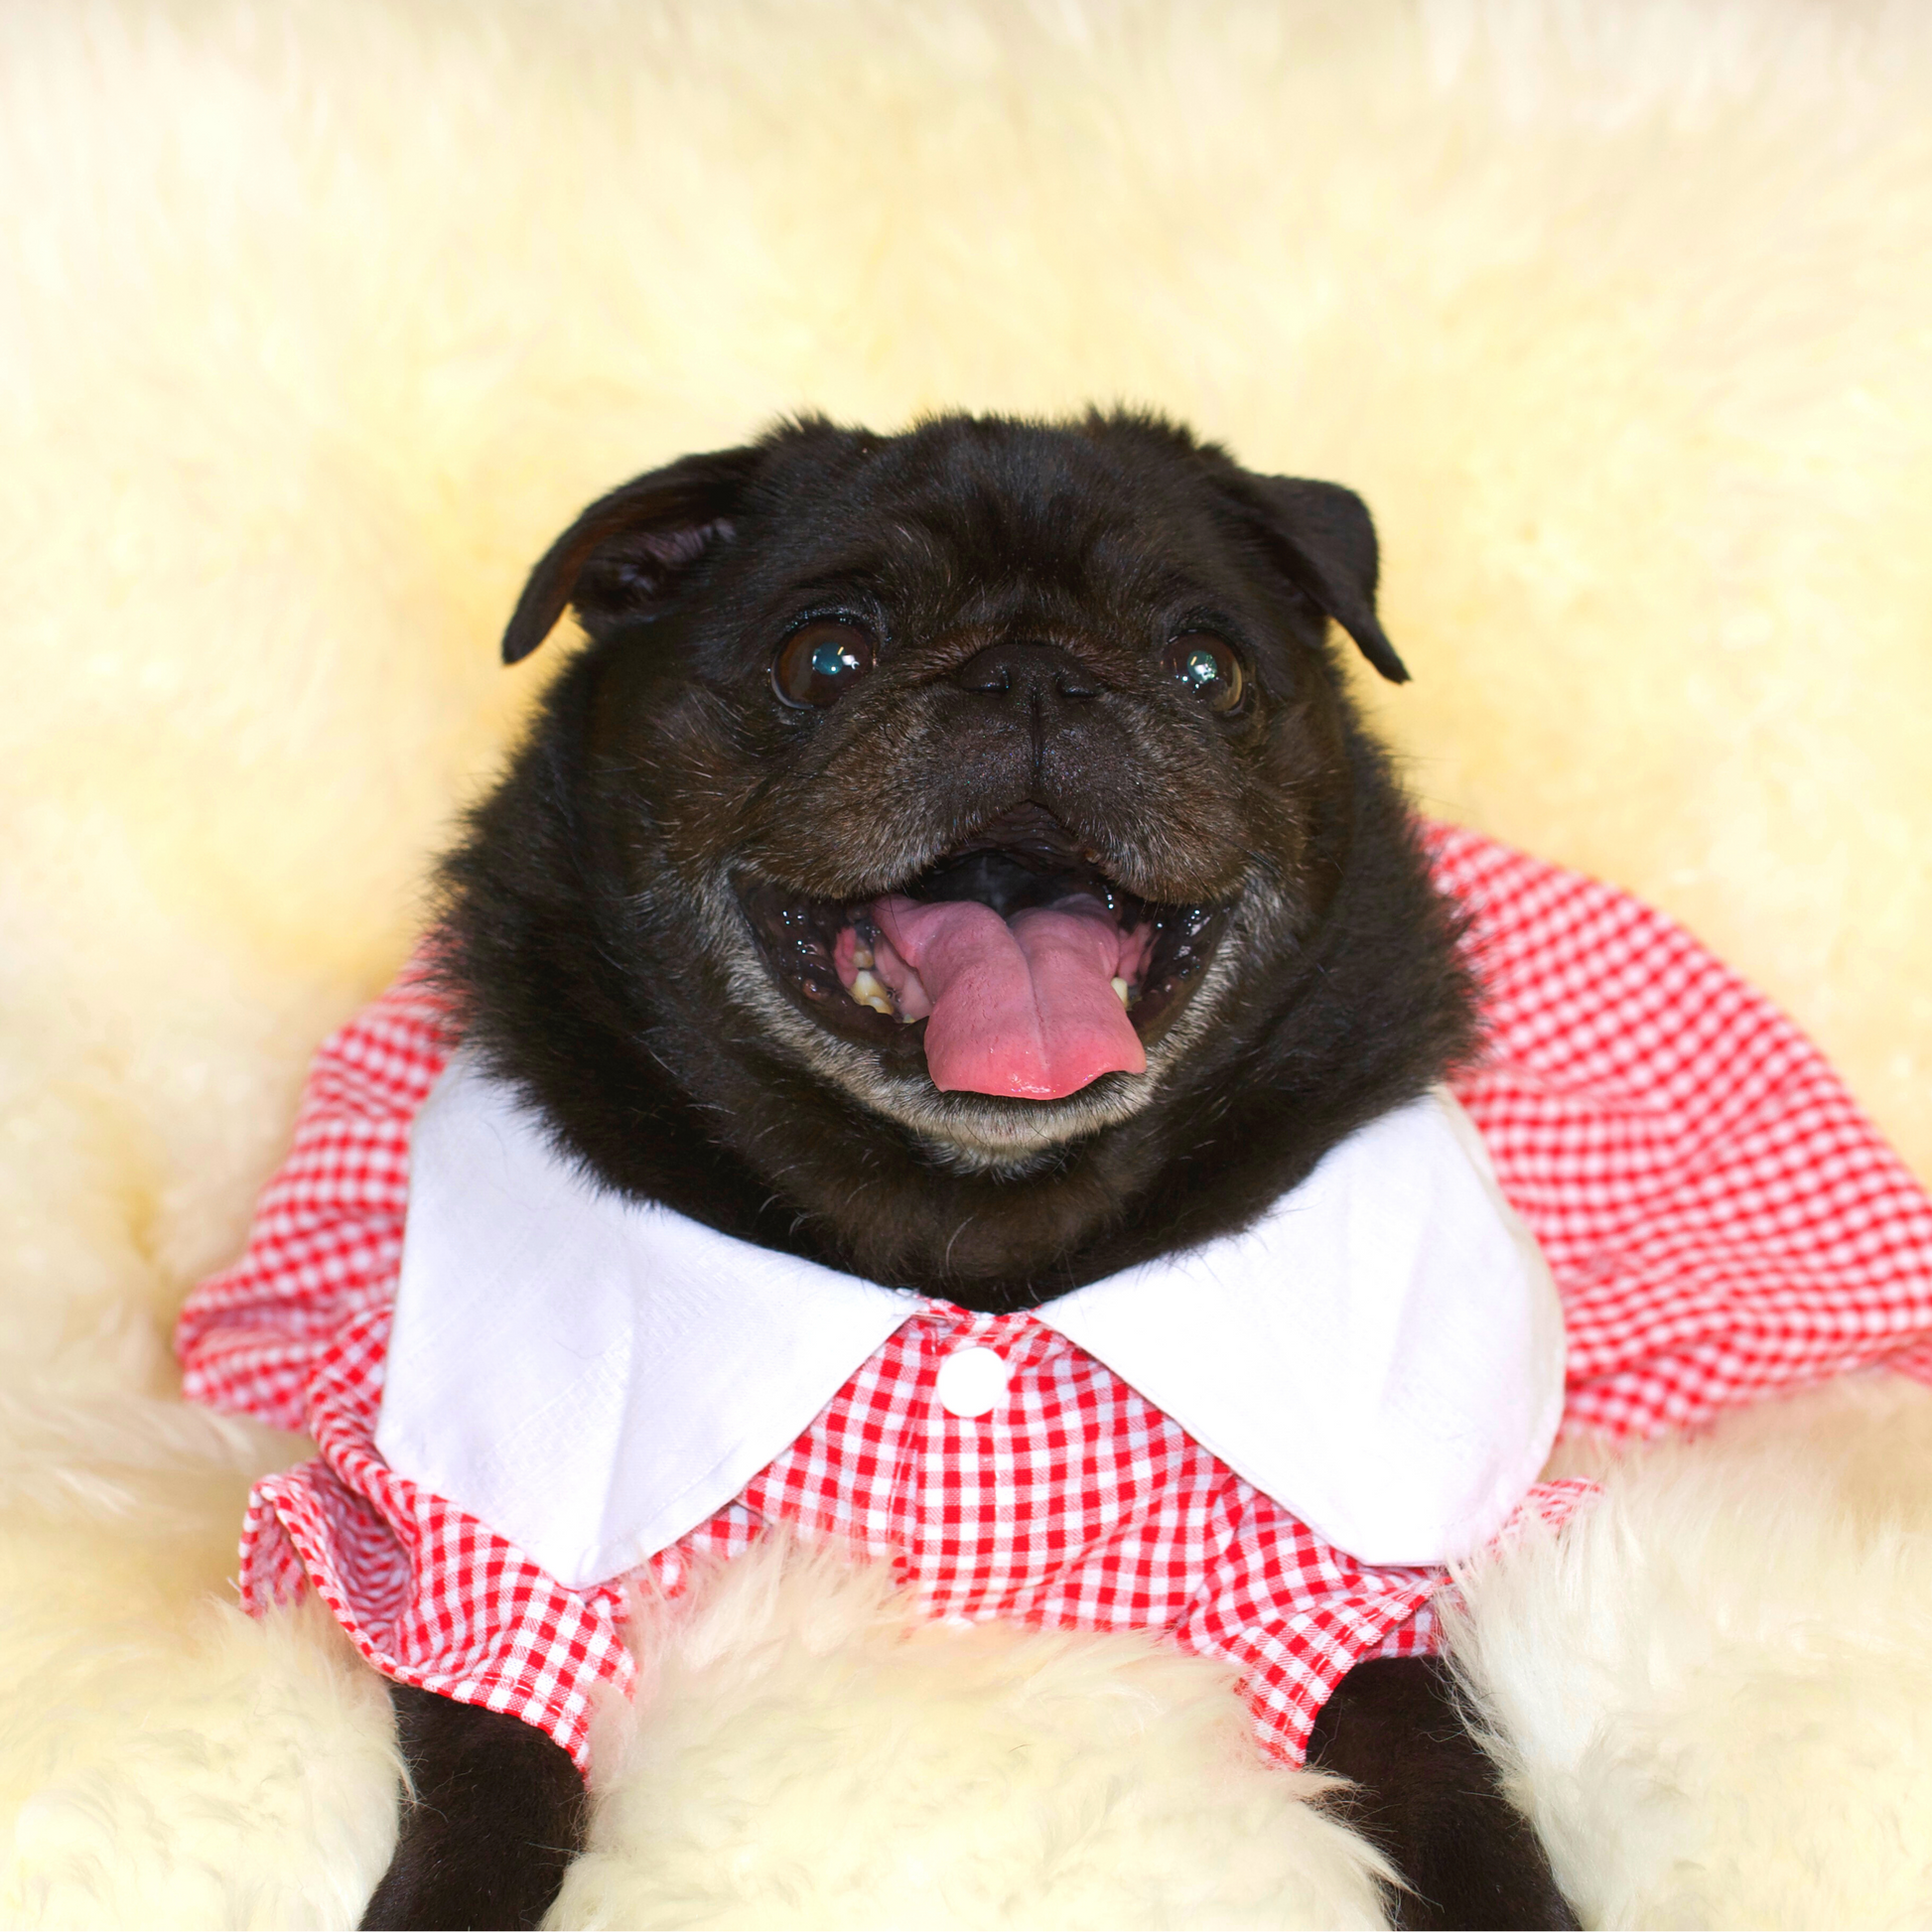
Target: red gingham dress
1721,1222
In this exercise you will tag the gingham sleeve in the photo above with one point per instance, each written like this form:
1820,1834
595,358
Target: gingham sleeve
296,1333
1722,1221
327,1237
429,1595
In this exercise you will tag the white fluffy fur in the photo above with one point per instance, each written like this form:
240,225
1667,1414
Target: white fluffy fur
807,1752
166,1760
1714,1687
317,322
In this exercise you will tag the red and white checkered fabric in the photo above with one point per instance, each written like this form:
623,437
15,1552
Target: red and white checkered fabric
1722,1221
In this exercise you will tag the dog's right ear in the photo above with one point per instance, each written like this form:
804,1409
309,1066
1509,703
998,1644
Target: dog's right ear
1324,539
622,558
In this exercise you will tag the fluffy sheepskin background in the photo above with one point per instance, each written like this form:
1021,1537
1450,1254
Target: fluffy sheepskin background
318,320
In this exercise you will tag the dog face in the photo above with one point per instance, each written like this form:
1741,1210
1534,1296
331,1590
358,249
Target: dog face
974,808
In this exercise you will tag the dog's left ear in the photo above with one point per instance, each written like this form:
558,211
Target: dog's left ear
624,556
1323,538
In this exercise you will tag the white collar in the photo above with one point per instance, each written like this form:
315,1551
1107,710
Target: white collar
1381,1352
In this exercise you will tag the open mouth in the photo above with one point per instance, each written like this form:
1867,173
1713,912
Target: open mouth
1013,963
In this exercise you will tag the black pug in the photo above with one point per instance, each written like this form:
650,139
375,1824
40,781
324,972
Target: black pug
987,659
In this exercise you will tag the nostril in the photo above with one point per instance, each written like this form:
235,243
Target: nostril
1029,670
989,670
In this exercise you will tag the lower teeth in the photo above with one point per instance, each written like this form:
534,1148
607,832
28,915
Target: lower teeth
870,991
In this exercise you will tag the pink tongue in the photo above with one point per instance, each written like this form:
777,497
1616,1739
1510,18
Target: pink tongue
1026,1009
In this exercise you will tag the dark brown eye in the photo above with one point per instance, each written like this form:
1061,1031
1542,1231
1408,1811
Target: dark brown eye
1207,665
821,662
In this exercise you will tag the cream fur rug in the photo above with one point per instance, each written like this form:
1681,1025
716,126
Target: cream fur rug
317,321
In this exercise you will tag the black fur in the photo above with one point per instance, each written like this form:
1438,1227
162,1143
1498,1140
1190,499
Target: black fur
495,1816
598,945
574,951
1426,1792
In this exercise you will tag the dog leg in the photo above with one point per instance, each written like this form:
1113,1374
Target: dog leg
498,1814
1428,1794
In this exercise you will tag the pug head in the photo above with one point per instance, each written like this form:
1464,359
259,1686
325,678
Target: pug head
944,832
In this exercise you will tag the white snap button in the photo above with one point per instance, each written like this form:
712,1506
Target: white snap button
971,1382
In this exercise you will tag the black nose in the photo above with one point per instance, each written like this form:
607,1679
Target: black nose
1029,676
